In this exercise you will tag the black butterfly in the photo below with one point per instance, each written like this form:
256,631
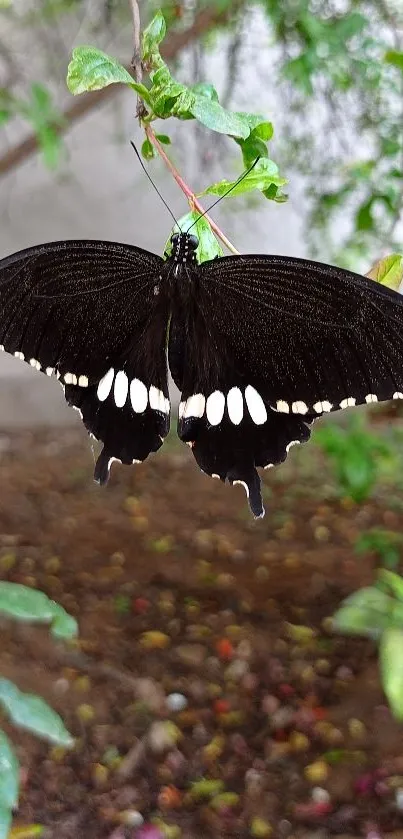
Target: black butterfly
259,346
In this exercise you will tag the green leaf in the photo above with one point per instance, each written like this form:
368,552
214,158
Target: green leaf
252,148
6,815
366,612
92,69
209,247
391,664
164,139
152,36
348,26
147,150
9,784
27,604
9,774
168,97
31,712
50,145
388,271
264,174
299,71
259,126
394,57
214,116
364,219
393,581
205,89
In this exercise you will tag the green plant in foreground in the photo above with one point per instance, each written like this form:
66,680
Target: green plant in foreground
26,710
355,454
377,612
386,544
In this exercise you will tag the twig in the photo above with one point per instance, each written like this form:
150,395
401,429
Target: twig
135,63
133,758
193,201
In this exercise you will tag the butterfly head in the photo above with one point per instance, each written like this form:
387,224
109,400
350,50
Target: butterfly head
184,246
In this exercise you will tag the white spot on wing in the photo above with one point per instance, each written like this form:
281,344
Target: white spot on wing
138,396
371,397
256,406
322,407
158,401
268,466
70,378
49,371
398,395
215,407
104,387
83,381
194,406
291,444
235,405
348,403
244,485
283,407
35,363
20,355
299,407
121,389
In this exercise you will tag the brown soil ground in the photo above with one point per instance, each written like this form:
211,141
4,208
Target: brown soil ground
294,724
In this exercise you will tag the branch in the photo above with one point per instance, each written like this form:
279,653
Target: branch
193,201
204,21
135,63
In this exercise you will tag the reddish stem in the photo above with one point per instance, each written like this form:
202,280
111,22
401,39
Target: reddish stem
193,201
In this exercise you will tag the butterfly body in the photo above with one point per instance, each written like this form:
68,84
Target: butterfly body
259,347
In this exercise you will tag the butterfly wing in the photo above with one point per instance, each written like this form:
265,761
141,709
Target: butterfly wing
91,314
277,342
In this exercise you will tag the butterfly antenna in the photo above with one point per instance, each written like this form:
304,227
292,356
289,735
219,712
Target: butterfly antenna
153,184
241,178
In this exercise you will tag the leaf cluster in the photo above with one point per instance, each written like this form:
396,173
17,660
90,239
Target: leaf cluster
165,98
377,612
39,111
27,710
342,88
355,454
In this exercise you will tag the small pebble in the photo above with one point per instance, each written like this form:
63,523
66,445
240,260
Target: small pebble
320,795
356,729
399,798
154,640
236,670
132,818
260,828
176,702
85,713
163,735
317,771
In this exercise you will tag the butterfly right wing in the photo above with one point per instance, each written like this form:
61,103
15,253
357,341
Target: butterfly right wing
94,314
273,343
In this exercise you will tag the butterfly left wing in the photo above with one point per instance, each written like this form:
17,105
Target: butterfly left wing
91,313
275,343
